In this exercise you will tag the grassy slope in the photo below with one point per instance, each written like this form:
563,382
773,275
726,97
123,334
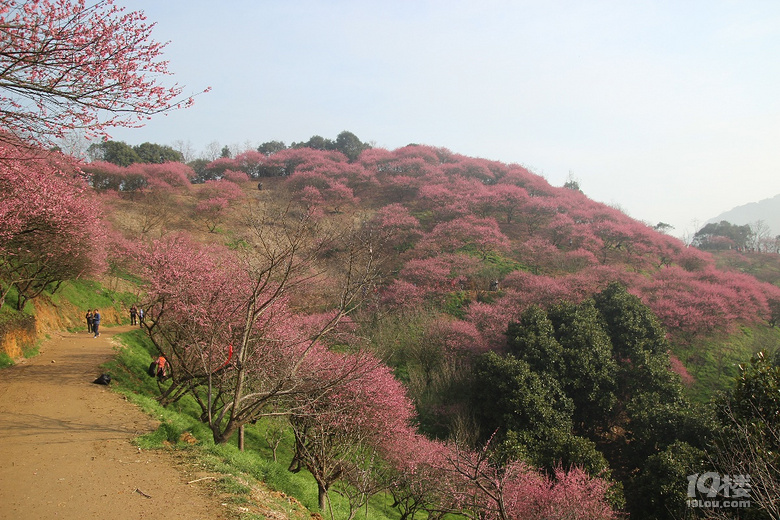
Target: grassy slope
714,361
257,479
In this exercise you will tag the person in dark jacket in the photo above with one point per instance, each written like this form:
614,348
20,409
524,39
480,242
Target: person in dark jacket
96,322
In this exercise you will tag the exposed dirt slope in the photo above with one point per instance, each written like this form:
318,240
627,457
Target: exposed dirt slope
65,445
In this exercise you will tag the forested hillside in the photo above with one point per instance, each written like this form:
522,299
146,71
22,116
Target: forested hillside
593,313
458,319
444,334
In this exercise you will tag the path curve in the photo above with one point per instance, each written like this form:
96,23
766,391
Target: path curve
65,444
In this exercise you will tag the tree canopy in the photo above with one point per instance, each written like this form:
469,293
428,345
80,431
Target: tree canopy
65,65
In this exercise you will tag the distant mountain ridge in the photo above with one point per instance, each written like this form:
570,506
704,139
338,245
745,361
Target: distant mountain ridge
767,210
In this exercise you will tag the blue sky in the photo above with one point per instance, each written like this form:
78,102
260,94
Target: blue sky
669,109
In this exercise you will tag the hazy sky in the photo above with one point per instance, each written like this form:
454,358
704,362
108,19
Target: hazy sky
669,109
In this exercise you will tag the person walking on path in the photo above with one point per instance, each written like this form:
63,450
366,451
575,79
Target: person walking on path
89,320
96,322
140,317
133,314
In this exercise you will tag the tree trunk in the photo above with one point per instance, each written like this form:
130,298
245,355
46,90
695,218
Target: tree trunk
322,495
241,438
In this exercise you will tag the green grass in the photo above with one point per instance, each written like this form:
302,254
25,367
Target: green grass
5,360
87,294
714,362
239,468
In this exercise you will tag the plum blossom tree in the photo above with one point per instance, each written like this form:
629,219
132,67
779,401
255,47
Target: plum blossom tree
398,225
341,436
156,205
480,488
215,197
419,473
224,321
51,225
481,235
67,65
506,200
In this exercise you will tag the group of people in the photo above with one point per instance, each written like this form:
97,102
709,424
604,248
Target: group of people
93,319
93,322
159,367
136,316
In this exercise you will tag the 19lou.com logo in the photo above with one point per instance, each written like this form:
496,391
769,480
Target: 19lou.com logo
718,491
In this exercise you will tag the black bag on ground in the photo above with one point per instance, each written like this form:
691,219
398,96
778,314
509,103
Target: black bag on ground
152,370
104,379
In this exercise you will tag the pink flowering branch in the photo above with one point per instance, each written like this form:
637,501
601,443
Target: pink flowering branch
65,65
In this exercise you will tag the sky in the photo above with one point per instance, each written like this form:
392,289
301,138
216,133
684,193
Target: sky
669,110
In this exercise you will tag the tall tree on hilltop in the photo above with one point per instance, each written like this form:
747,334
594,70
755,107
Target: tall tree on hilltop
349,144
157,153
114,152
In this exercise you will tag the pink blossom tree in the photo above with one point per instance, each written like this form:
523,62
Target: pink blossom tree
397,225
174,174
419,473
65,65
340,435
223,317
482,235
215,198
506,200
479,488
51,225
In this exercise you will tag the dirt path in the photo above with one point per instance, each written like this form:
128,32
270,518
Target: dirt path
65,449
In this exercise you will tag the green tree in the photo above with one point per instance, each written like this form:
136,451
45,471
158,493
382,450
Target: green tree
114,152
530,415
639,343
749,443
663,227
590,374
157,154
723,235
652,411
662,483
201,173
271,147
349,144
532,339
316,142
609,357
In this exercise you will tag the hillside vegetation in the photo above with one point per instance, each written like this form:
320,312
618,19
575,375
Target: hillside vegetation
420,313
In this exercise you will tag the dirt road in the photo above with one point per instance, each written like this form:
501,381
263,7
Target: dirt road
65,444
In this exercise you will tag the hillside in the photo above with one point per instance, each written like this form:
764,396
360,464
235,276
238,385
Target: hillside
466,299
498,235
766,210
478,240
